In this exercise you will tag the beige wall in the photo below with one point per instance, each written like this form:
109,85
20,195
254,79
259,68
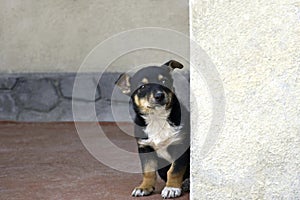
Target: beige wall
255,47
56,35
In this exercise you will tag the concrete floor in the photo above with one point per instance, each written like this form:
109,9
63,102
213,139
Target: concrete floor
48,161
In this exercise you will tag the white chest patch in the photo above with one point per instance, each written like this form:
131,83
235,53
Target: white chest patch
160,133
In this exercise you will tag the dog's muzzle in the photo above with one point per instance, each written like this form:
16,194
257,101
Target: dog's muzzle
159,99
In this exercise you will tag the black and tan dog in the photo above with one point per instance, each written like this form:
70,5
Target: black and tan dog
162,128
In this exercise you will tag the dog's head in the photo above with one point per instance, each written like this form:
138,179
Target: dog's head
150,88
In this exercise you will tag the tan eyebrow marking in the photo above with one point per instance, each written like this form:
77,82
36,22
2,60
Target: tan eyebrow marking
160,77
145,80
136,100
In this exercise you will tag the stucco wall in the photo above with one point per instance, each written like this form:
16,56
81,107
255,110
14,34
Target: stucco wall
56,35
255,47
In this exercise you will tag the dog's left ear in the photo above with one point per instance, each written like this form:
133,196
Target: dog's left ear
173,64
123,83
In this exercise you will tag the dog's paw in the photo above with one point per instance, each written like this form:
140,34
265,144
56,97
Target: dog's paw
170,192
139,192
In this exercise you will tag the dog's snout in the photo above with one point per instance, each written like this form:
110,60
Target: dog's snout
159,96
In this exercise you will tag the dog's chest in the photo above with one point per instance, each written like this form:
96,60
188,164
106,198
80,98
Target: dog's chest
160,133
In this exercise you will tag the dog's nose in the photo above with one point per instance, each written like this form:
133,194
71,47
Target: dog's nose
159,96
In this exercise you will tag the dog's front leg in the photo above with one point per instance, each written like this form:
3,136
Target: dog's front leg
149,167
174,181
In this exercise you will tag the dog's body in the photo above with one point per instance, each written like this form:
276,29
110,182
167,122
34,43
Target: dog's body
162,128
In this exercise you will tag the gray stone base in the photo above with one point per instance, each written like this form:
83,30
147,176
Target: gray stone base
49,97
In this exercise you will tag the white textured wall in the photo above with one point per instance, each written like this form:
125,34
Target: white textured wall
255,46
56,35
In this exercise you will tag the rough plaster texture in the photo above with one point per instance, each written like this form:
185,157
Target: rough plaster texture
56,35
255,47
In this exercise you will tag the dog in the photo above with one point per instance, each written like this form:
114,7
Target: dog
162,128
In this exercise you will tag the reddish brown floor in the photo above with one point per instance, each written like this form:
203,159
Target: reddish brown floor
48,161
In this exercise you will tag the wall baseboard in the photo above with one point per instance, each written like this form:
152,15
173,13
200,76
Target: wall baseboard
46,97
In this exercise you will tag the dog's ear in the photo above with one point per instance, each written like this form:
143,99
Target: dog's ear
123,83
173,64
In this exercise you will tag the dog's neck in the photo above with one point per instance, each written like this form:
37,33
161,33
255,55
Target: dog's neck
160,115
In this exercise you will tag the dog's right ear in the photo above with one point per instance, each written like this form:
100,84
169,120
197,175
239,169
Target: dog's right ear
123,83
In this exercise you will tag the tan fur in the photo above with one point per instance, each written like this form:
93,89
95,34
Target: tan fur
142,103
149,176
168,106
160,77
145,80
149,180
175,179
136,100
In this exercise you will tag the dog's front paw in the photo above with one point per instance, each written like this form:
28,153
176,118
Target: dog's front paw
170,192
139,192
